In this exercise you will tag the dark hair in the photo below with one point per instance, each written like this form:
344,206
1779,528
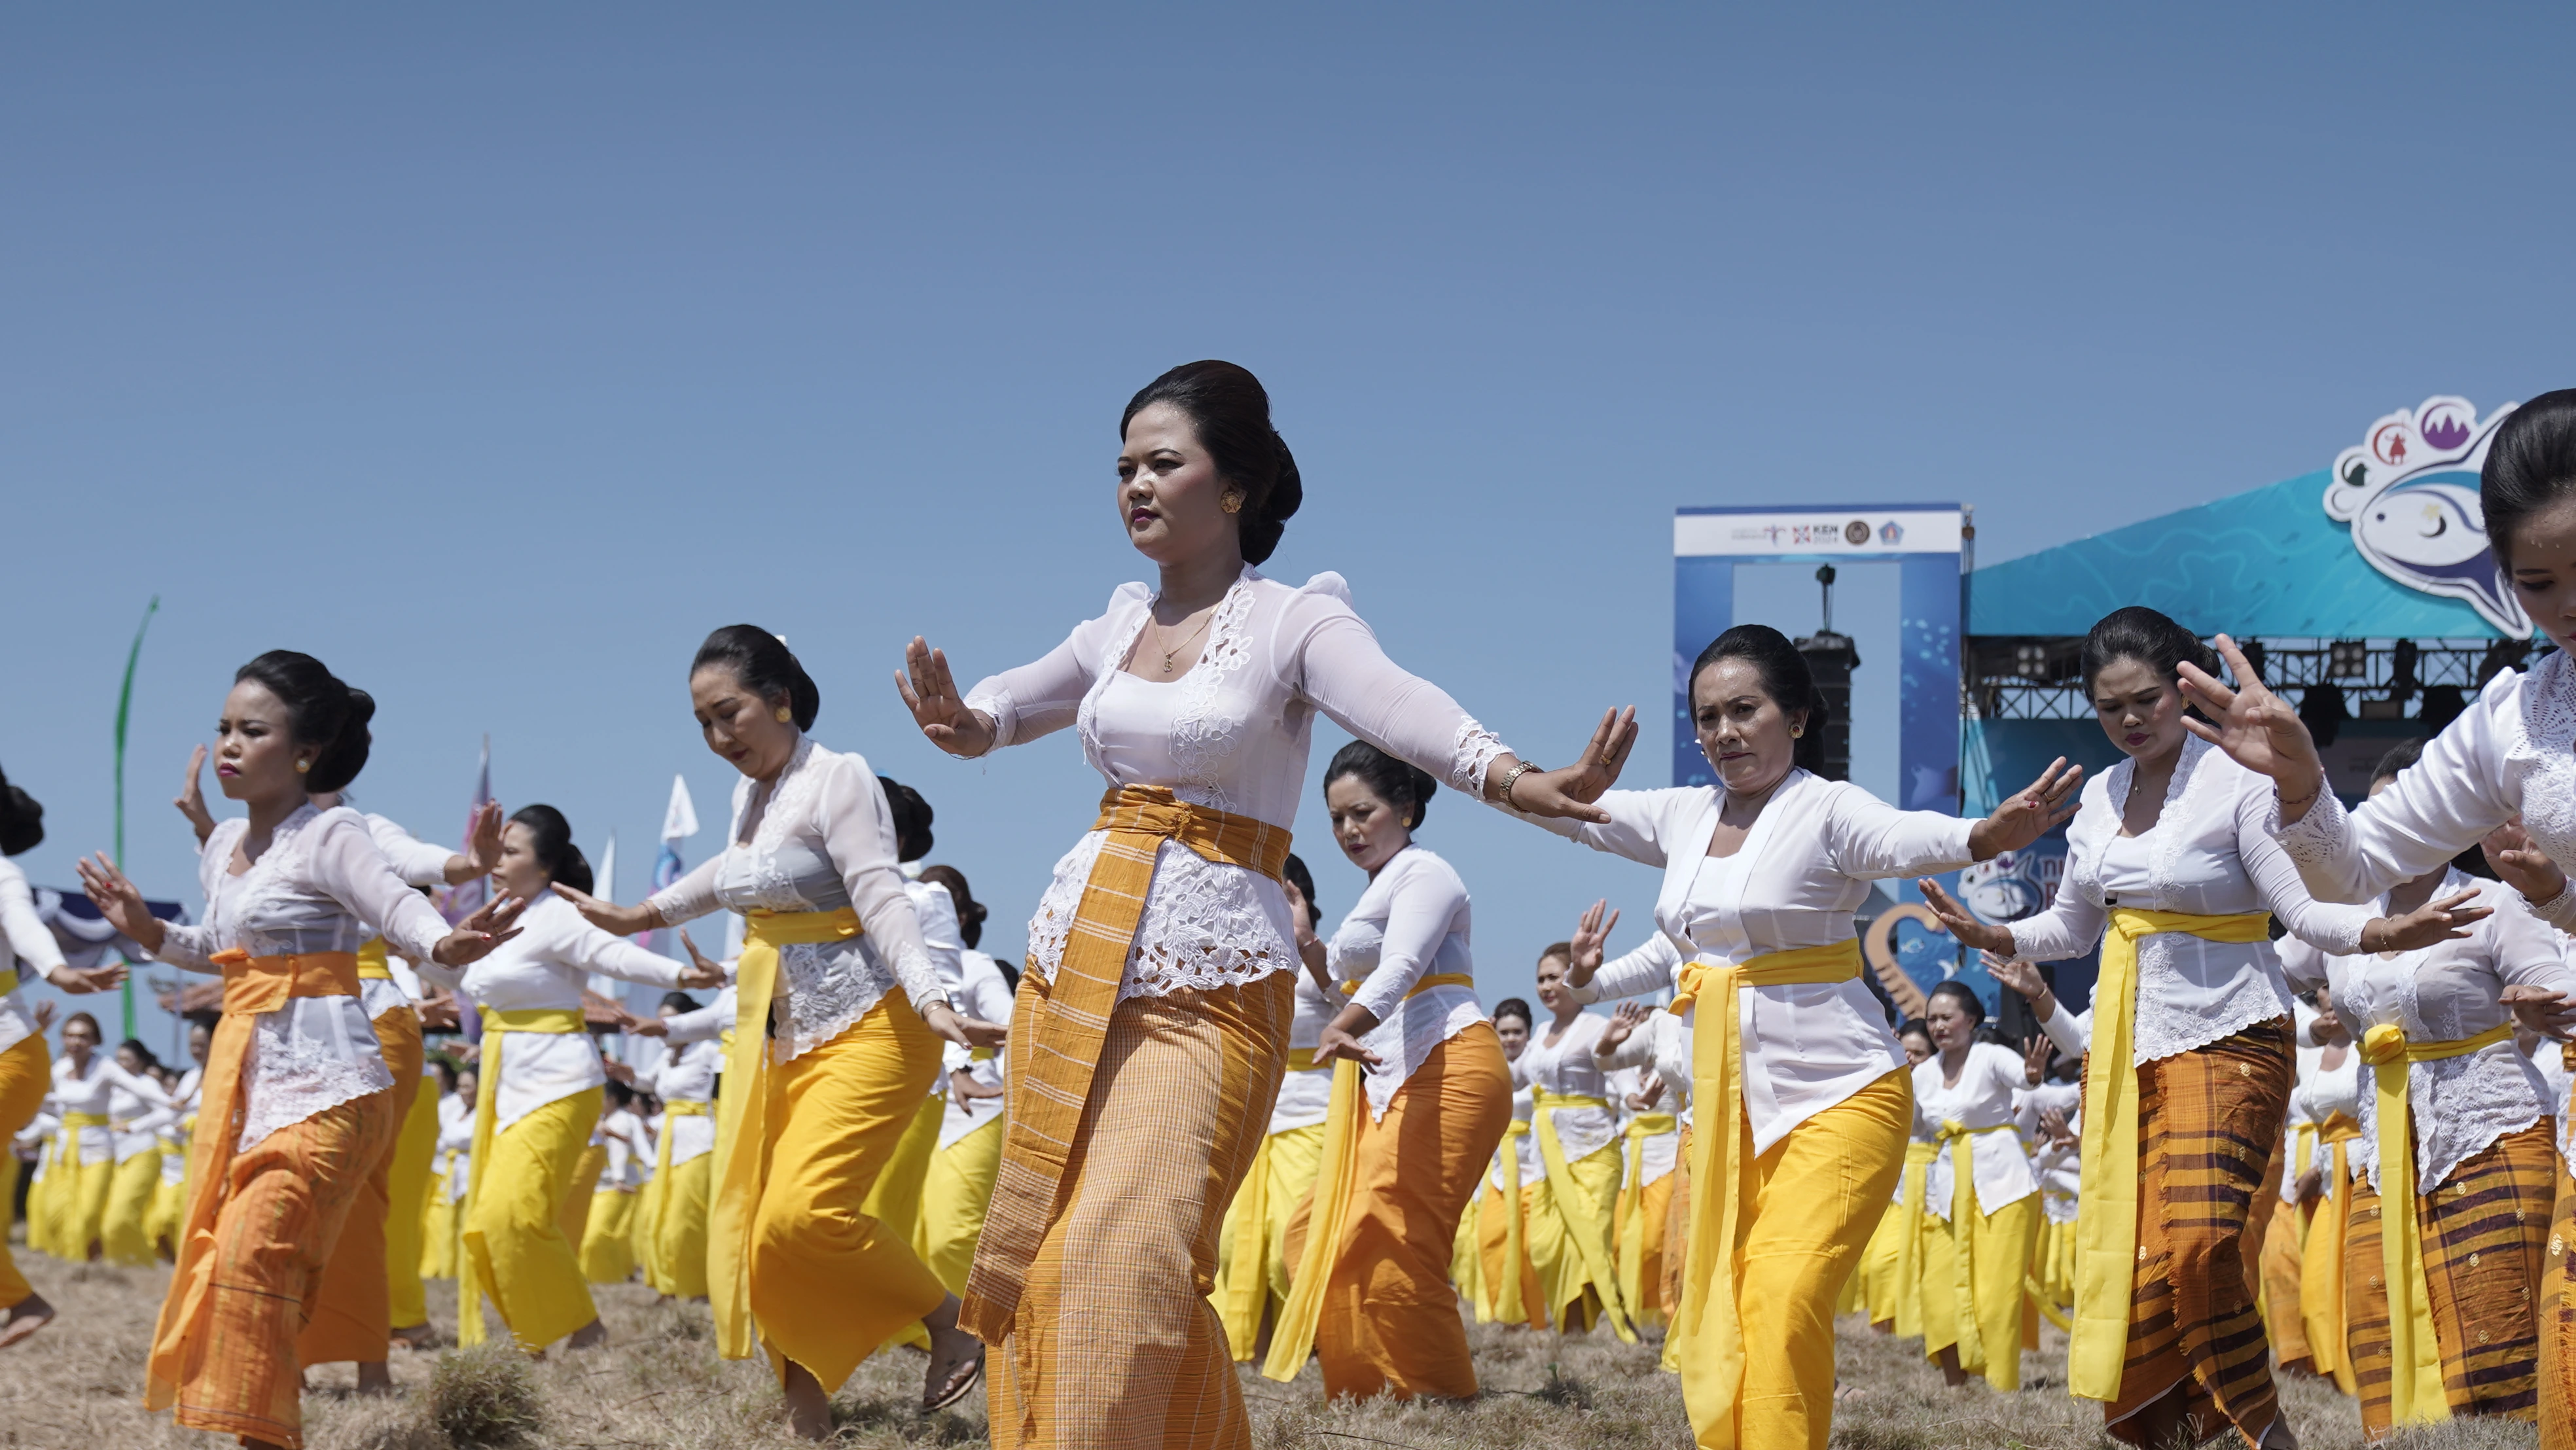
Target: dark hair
77,1018
2530,465
1513,1007
22,821
619,1094
1914,1027
321,710
2401,755
1231,411
1960,992
1399,783
2140,633
679,1002
1010,975
912,838
142,1053
1563,949
765,666
1785,678
446,1068
1304,880
550,837
970,912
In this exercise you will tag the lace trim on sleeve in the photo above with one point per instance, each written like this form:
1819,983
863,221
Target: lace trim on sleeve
1475,749
919,976
2560,910
2315,838
995,701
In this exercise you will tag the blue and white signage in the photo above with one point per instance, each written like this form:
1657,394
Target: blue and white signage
2410,492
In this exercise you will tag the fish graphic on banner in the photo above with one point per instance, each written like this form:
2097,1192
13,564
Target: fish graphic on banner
2410,492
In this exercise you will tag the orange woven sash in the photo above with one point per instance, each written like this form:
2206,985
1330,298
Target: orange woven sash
252,985
1050,1078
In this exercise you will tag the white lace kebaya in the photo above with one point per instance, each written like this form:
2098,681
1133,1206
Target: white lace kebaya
1232,734
2511,753
2443,993
818,838
2209,855
24,936
1412,922
1305,1094
315,888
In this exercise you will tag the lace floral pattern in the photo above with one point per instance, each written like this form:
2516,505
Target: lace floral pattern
1205,924
304,1060
2461,1106
828,987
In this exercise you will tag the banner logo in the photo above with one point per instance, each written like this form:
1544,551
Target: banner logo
2410,492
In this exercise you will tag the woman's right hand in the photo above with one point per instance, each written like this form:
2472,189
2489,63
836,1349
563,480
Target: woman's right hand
2523,866
2443,919
1591,935
2257,729
120,901
930,693
705,971
1624,1023
192,797
610,917
477,935
1985,936
81,980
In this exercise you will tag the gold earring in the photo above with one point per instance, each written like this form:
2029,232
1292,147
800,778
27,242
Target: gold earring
1232,502
1797,732
784,714
302,766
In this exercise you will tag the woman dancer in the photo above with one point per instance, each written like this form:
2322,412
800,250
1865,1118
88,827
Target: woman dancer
540,1090
135,1123
1254,1272
447,1185
1892,1261
1156,1029
608,1236
1508,1290
1979,1192
1652,1139
92,1092
895,1201
1408,1137
675,1196
960,1182
288,890
1799,1090
1571,1239
810,1123
170,1198
2169,868
2331,1097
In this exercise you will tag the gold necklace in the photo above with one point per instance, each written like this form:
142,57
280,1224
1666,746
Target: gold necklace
1185,639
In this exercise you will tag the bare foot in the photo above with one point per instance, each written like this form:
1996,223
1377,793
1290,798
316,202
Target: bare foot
809,1409
26,1317
589,1336
374,1378
956,1359
416,1336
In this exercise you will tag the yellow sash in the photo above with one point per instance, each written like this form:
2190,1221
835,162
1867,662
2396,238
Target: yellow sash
1292,1339
8,981
1509,1308
1631,1227
1712,1351
2106,1232
375,963
252,985
1963,1204
1050,1081
2321,1279
2415,1393
1600,1260
742,1116
497,1027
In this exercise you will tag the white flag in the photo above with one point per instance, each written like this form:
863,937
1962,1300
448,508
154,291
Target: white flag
680,818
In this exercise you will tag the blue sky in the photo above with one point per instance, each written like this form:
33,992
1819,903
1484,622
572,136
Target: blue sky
494,355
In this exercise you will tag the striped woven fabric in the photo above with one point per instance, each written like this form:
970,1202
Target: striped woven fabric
2485,1230
2208,1124
2558,1322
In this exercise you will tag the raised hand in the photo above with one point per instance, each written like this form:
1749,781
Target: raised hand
191,800
608,916
119,901
2523,866
931,694
2052,1121
2035,1057
1644,1102
1591,935
2023,977
476,936
1624,1023
704,971
1569,791
2256,728
2028,813
482,846
44,1016
2551,1014
1985,936
2447,918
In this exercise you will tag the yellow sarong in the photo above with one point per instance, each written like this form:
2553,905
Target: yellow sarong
2321,1280
1989,1258
540,1291
2107,1230
742,1119
953,1199
1511,1290
671,1221
1708,1325
407,1195
1252,1264
2415,1392
1584,1218
608,1239
1641,1222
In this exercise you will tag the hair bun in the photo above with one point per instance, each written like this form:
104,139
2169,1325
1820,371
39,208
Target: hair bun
326,714
1230,411
22,821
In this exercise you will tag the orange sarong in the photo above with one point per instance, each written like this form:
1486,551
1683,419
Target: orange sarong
352,1308
26,1075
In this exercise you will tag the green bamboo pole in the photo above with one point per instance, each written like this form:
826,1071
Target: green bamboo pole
124,711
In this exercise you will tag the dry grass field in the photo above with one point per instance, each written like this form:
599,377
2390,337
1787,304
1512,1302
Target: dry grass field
659,1384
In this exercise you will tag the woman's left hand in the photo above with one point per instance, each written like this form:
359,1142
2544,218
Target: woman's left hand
2523,866
1335,1044
2446,918
2551,1014
963,1030
476,935
120,901
2031,812
1569,792
79,980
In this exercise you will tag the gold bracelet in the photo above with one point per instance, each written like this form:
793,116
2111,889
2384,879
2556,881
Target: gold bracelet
2286,803
1519,769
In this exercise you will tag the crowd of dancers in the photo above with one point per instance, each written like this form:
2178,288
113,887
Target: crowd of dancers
1199,1127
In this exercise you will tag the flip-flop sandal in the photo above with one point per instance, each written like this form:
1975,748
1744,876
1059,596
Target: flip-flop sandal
958,1390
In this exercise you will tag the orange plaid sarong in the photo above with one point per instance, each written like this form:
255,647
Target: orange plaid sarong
1051,1081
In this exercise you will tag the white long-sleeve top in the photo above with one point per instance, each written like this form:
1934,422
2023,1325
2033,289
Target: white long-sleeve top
984,993
1305,1096
630,1164
1990,1081
689,1076
1660,1045
818,838
2511,753
2333,1090
2209,854
419,864
543,968
2443,993
707,1023
107,1090
1659,1152
27,950
1412,922
935,912
315,888
1803,869
2060,1171
1231,734
1568,1068
1523,1155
